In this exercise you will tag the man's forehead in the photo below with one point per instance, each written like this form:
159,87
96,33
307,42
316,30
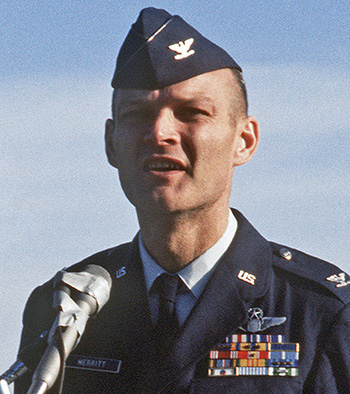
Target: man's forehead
199,88
133,97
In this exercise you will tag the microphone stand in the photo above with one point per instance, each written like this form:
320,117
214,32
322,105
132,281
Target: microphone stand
77,297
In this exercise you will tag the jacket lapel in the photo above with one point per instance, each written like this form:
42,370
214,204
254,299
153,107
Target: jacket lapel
129,309
218,312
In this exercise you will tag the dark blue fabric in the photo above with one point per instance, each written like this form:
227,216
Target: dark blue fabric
167,326
317,312
151,64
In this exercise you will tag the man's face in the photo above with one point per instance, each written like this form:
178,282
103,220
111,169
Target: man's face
176,148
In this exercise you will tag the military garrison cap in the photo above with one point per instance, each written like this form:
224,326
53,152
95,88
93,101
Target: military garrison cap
161,50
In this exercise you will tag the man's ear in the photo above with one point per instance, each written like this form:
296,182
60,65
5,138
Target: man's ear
248,135
109,143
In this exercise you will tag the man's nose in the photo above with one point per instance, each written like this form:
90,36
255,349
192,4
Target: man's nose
164,129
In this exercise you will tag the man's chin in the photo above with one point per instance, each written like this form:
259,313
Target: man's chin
161,205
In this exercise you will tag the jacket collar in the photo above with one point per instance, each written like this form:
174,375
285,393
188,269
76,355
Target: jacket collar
242,274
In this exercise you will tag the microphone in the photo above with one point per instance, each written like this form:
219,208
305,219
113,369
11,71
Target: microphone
4,387
78,296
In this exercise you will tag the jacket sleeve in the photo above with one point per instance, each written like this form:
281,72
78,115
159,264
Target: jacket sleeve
38,317
331,369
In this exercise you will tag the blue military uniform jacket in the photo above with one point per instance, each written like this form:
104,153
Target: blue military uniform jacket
253,273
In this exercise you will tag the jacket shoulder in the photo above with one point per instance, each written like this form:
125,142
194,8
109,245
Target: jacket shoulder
41,297
319,272
107,259
40,300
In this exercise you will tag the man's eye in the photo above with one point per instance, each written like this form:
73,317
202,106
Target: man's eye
133,115
191,113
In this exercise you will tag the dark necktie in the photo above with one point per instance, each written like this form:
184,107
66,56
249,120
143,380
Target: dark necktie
167,325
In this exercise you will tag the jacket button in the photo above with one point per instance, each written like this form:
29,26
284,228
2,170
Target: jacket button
286,253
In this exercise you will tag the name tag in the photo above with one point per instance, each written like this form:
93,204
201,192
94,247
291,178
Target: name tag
93,363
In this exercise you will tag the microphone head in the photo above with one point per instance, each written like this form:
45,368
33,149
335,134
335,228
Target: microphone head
100,286
92,285
99,271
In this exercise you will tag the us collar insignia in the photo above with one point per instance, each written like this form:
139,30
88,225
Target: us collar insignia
120,272
257,322
246,277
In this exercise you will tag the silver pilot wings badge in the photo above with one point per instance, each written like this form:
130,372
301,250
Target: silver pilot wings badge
257,322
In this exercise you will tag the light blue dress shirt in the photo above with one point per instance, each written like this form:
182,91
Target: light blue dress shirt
195,275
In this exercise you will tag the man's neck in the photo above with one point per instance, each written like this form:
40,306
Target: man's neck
176,239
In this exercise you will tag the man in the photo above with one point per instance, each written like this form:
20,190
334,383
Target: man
237,314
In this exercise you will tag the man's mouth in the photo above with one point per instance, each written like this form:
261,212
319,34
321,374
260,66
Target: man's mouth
163,165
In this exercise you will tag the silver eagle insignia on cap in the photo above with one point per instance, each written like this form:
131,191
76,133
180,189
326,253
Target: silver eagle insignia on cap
183,49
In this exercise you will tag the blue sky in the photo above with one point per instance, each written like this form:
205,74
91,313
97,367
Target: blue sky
62,202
